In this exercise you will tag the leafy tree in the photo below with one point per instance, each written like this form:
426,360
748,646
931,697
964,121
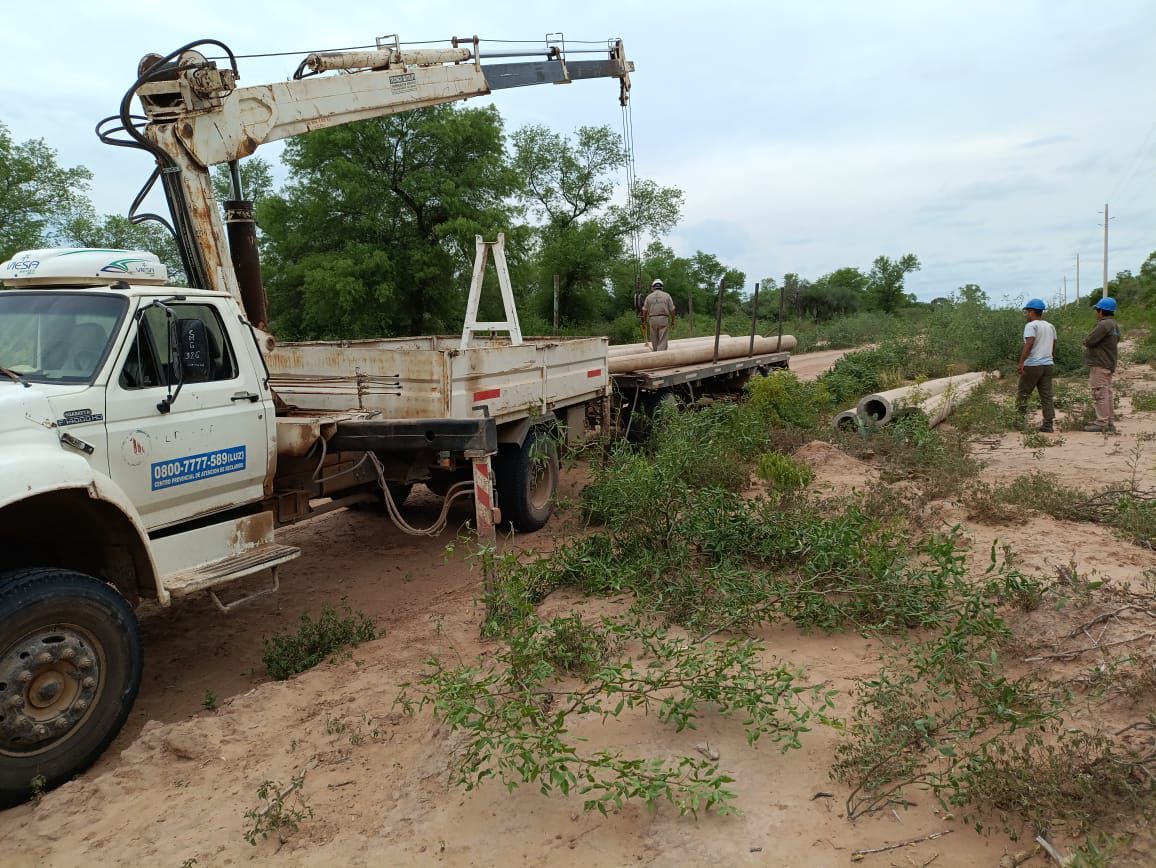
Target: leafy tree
38,196
971,294
374,232
256,180
885,281
88,229
569,183
839,293
1132,289
706,271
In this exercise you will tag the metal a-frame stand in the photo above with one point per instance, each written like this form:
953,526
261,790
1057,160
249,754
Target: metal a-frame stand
511,323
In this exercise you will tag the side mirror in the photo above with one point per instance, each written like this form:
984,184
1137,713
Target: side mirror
188,356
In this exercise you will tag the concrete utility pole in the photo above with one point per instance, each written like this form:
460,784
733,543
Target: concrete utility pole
1104,288
1077,277
1065,289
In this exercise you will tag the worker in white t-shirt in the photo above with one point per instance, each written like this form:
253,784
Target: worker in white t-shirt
1037,363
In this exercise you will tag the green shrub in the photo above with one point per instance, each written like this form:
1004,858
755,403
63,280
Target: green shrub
1144,402
286,655
988,409
859,373
626,328
781,400
784,472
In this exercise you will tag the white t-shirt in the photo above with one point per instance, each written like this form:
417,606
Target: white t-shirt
1045,334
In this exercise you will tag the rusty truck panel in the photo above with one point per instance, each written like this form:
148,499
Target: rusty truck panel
431,378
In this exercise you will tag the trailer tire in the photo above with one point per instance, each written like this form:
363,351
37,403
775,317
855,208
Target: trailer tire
70,668
643,419
527,478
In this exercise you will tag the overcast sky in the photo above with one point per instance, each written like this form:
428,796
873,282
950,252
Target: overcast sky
985,137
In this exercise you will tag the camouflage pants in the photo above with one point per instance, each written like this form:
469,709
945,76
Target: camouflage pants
1100,382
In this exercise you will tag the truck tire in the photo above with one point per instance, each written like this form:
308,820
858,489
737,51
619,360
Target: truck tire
70,668
527,478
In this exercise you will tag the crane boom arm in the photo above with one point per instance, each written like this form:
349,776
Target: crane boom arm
197,117
217,122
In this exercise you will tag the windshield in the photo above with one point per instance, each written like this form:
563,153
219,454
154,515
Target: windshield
53,337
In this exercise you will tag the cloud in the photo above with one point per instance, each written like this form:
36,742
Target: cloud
1046,141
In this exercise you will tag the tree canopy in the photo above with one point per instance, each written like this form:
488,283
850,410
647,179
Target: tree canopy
38,196
375,228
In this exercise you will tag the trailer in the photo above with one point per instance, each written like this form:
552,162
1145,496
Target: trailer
637,395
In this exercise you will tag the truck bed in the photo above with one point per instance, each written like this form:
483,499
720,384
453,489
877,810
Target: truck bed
431,378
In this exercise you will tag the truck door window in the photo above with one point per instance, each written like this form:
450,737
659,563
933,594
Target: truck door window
148,363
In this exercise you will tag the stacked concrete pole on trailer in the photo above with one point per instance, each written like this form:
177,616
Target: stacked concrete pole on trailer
880,407
731,348
637,349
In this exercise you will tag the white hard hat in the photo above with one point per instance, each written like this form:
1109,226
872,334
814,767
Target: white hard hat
657,283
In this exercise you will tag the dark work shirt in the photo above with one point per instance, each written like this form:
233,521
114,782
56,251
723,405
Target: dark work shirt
1100,344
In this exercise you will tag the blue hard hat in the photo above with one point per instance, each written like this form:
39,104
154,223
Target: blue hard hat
1108,305
1035,304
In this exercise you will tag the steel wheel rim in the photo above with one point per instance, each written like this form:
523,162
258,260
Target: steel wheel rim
51,680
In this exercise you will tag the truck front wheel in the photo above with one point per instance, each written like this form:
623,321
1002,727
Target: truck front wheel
527,478
70,668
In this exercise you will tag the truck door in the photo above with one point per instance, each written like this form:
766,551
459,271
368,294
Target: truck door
210,451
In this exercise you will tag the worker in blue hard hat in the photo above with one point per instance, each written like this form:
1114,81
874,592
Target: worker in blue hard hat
1037,363
1100,355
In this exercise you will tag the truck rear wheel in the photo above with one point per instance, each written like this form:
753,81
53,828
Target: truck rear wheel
527,478
70,668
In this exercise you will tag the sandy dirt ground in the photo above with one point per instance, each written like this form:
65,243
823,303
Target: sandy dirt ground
177,783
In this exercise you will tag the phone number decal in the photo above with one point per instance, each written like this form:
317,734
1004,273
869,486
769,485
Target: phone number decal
179,471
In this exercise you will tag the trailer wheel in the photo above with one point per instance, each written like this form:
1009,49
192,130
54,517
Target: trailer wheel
527,478
643,418
70,668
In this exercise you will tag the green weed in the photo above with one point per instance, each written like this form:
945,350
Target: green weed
987,410
517,719
1144,402
783,472
286,655
781,400
283,810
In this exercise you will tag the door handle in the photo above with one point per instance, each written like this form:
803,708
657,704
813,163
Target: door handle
252,397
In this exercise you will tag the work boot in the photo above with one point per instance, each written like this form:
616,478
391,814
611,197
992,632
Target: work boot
1047,428
1100,429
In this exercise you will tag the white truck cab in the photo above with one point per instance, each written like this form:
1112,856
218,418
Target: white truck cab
137,430
146,456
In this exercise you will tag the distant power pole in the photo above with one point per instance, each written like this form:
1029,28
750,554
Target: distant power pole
1065,289
1104,288
1077,277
